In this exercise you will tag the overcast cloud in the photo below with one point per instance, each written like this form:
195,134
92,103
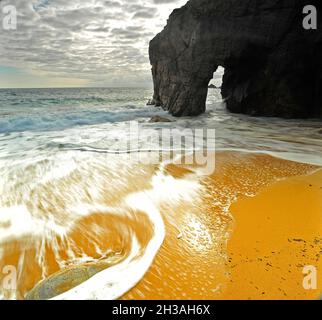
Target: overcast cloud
92,42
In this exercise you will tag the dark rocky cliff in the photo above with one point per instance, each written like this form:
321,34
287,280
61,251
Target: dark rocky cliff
273,67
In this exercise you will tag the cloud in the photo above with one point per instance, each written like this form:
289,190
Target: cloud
101,42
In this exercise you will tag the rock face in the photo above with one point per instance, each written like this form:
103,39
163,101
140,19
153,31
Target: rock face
273,66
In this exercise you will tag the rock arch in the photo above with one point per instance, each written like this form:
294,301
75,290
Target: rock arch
272,64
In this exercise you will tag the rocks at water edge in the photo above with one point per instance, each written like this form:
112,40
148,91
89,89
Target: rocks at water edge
61,282
157,119
69,278
273,66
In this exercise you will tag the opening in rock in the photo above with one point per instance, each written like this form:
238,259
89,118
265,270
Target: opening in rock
214,87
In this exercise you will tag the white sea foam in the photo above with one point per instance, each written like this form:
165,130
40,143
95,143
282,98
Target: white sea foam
17,222
114,282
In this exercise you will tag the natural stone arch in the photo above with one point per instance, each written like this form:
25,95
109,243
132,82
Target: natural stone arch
271,63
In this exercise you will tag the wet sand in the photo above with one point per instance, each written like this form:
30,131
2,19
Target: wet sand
247,234
233,246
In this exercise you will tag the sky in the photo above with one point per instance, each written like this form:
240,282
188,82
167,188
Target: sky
81,43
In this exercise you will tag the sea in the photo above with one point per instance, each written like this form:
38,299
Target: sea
67,153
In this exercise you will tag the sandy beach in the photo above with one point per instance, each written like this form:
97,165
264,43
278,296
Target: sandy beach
246,233
276,234
255,248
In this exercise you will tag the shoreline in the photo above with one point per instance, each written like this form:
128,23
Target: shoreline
217,278
203,231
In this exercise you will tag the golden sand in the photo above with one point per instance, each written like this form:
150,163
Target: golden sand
276,234
253,249
248,234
